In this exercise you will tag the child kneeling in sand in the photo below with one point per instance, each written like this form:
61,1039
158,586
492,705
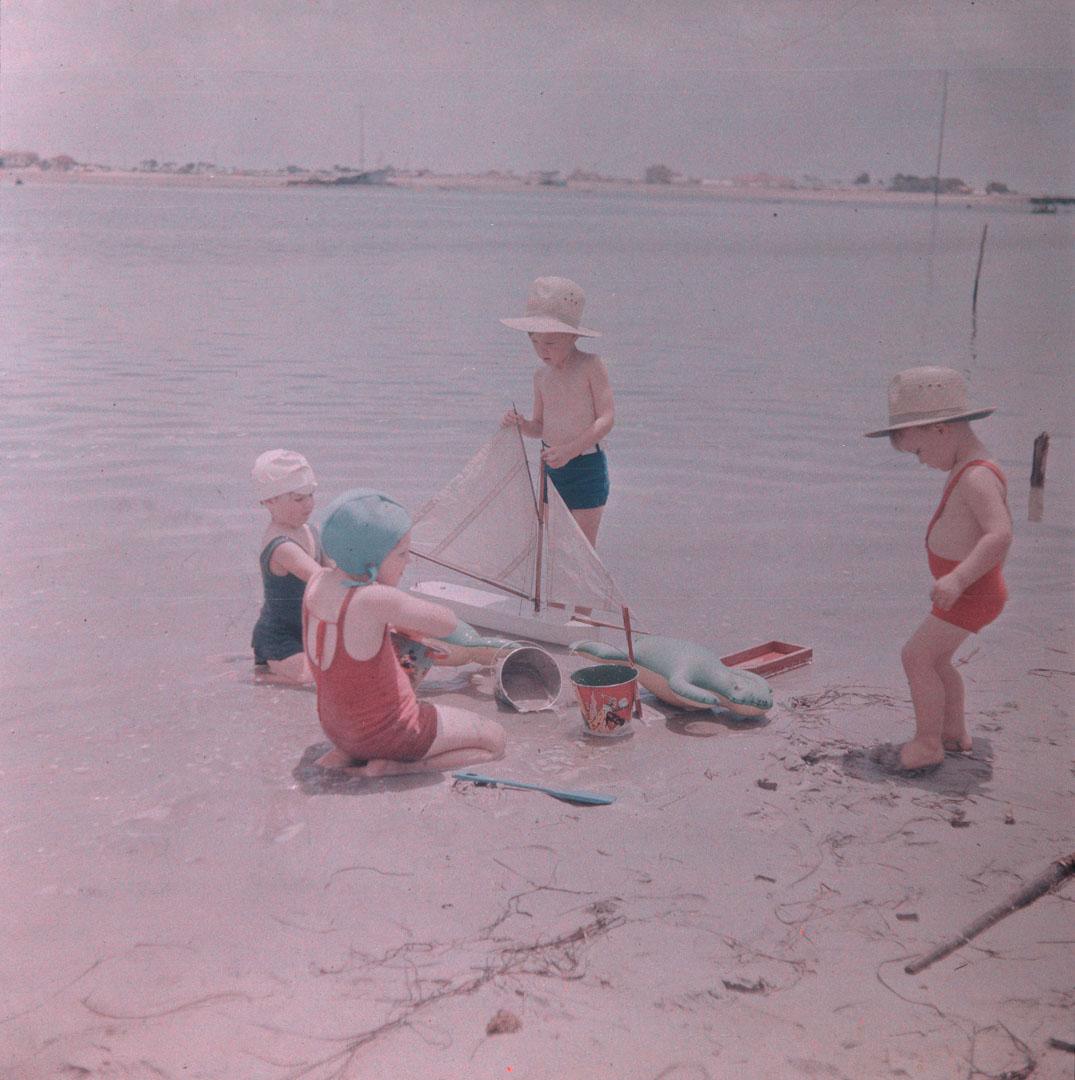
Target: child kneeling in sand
290,556
365,700
966,544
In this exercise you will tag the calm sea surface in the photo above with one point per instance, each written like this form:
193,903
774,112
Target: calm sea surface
156,340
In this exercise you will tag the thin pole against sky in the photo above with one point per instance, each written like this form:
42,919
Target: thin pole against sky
940,142
937,182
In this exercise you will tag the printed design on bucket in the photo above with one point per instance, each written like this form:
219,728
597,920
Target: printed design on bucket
606,694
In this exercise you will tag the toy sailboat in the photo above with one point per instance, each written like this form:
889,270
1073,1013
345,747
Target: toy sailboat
506,559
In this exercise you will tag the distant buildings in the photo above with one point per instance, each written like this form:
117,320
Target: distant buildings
948,185
27,159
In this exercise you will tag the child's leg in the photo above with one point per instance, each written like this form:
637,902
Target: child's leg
954,733
926,655
463,738
293,668
589,522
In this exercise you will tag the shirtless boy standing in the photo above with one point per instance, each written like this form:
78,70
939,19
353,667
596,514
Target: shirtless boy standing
966,544
573,407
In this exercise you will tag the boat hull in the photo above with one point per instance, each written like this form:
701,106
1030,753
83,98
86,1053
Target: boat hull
493,611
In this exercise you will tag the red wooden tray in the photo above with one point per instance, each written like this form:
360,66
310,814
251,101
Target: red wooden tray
772,658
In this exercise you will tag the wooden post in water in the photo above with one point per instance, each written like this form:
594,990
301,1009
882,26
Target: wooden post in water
974,295
1036,510
978,272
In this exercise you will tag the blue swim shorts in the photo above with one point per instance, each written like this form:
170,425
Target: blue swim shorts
583,481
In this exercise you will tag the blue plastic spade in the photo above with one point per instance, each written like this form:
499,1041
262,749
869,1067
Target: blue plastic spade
582,798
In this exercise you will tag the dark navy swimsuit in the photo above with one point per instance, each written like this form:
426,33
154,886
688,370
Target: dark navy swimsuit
278,631
583,481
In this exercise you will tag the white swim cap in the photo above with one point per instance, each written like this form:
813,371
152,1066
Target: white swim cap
277,472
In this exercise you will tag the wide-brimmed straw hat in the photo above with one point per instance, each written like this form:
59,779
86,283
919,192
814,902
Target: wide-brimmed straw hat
278,472
553,306
927,395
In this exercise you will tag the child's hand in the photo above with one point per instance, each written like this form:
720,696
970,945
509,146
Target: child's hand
946,591
556,457
511,418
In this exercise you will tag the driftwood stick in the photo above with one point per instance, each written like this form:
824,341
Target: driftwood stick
1037,466
1043,883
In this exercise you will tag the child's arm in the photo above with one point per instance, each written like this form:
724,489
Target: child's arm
291,559
531,428
984,497
411,615
604,417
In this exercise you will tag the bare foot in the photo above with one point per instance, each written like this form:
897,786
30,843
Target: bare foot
913,755
337,759
957,742
909,760
386,767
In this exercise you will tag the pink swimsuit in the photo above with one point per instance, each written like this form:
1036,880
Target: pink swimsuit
367,707
983,600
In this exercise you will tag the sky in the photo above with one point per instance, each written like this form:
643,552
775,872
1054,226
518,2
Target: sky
713,89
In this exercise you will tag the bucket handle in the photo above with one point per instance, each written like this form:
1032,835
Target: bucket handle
517,643
506,649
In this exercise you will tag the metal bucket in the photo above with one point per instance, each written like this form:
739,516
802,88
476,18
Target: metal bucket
607,694
527,677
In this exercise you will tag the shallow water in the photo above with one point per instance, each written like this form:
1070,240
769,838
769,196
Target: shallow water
156,340
166,865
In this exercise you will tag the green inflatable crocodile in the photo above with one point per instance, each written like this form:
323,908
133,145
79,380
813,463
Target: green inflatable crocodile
687,675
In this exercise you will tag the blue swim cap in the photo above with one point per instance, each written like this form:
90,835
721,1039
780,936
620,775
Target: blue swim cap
359,529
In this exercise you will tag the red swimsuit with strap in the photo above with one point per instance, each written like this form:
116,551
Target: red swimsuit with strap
983,600
367,707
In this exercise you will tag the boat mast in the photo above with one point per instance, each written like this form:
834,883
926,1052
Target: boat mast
542,507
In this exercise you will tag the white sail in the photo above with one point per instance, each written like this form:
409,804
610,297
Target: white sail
484,523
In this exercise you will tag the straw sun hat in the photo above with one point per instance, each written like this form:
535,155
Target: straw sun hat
927,395
553,306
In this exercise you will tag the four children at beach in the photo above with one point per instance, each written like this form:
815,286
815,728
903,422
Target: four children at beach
339,635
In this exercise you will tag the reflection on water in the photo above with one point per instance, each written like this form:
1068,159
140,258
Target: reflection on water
155,341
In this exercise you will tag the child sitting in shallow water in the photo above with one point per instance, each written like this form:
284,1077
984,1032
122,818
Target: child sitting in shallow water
290,556
966,544
365,701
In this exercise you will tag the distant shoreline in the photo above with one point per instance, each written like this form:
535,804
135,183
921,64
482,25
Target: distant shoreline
31,177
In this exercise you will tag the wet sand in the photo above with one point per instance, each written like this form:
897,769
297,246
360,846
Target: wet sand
744,908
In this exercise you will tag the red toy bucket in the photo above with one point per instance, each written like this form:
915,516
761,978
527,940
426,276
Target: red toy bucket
607,694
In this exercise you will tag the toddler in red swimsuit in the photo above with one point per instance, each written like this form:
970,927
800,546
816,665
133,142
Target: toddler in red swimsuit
365,700
966,544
